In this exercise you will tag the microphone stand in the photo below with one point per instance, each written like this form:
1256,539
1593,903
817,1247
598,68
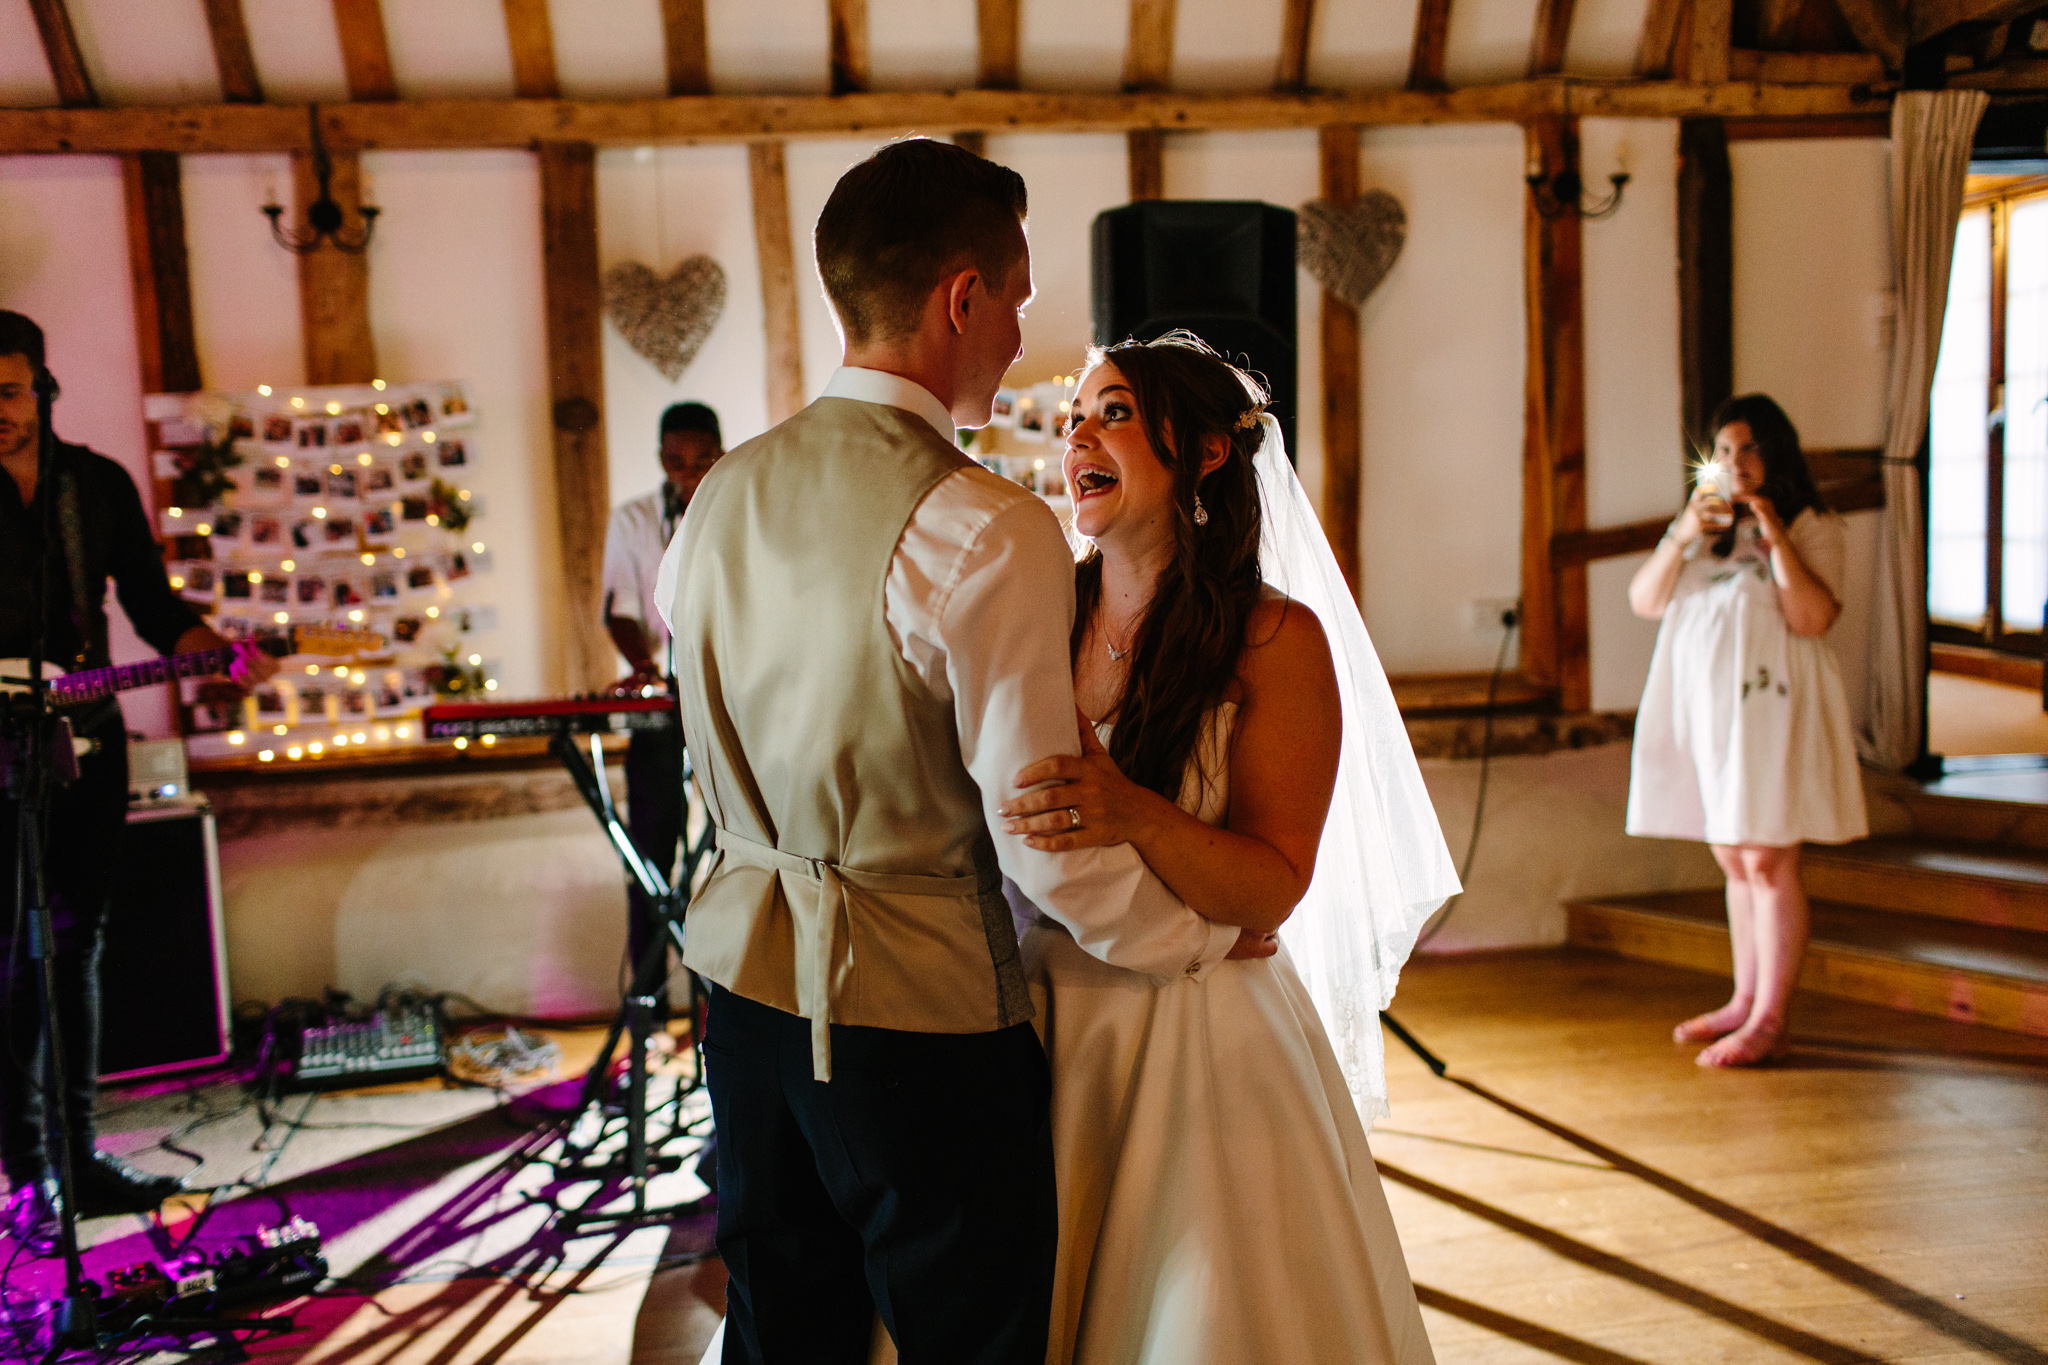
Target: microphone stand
38,735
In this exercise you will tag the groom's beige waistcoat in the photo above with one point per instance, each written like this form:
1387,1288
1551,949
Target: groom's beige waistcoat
854,880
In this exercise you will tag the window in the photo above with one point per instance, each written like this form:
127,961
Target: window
1987,534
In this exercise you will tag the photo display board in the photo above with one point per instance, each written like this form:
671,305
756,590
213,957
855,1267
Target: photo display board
345,508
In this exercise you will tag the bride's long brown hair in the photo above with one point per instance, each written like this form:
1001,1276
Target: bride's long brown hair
1187,647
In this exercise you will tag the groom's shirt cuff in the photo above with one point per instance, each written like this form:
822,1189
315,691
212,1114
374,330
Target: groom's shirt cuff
980,603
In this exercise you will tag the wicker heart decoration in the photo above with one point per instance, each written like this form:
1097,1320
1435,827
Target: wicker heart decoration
665,320
1350,250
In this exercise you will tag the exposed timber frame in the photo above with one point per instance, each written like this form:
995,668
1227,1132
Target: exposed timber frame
487,123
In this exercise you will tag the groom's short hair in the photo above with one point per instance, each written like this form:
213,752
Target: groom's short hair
914,212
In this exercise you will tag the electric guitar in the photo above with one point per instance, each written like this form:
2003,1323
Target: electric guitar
90,684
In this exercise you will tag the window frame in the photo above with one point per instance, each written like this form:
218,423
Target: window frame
1998,197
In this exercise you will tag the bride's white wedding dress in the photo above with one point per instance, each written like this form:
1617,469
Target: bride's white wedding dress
1218,1203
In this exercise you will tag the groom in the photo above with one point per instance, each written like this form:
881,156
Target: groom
871,639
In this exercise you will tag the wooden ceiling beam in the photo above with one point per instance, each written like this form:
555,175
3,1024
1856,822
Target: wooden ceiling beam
574,301
1432,43
533,50
1337,147
1553,32
1148,59
850,71
689,59
481,123
1145,163
1297,26
60,48
1806,68
768,177
365,51
232,55
996,35
1712,32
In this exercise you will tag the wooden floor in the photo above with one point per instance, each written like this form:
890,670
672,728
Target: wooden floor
1575,1190
1579,1190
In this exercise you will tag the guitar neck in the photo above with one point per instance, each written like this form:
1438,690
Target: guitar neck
93,683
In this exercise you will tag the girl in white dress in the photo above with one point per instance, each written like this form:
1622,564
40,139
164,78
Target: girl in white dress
1743,737
1218,1201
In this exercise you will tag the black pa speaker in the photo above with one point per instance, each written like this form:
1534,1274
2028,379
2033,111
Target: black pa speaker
1222,269
164,971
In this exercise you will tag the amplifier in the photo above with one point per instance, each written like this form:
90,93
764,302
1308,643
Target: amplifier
164,970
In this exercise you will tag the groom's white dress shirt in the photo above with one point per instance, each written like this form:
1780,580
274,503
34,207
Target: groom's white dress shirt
980,557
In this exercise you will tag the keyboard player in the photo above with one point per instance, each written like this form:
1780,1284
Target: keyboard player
690,443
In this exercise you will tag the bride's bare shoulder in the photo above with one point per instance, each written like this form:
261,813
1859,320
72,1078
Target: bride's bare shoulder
1283,639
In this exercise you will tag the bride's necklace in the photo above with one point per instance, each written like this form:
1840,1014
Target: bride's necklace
1118,655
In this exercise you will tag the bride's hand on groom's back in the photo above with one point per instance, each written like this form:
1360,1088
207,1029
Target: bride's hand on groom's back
1083,802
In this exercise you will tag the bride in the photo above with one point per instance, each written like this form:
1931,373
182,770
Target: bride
1218,1201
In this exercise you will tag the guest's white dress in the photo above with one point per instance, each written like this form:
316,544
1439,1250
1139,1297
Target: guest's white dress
1218,1204
1743,735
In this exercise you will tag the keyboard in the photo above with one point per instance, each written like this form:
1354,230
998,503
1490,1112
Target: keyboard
575,715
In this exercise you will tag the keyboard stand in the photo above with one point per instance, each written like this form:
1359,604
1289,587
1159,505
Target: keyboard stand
635,1021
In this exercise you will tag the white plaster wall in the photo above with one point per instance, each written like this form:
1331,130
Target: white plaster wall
1488,40
25,80
1071,45
1812,268
609,49
1226,44
1364,45
922,45
525,914
297,49
1633,457
1812,258
1604,37
813,169
449,49
1443,354
168,60
245,291
64,262
455,292
768,49
659,206
1552,832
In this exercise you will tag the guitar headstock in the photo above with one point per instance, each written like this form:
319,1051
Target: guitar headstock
325,640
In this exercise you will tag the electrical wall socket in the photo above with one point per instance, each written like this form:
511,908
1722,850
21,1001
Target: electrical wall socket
1488,614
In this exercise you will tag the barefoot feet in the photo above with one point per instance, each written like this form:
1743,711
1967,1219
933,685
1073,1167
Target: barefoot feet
1754,1043
1707,1027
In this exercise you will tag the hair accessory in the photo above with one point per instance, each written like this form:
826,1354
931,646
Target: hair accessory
1201,512
1248,419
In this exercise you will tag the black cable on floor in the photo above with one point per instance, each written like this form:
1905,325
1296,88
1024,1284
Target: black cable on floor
1510,620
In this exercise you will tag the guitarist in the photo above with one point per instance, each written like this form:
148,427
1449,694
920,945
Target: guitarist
104,534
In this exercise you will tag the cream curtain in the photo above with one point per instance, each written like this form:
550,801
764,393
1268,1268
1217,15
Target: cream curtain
1931,136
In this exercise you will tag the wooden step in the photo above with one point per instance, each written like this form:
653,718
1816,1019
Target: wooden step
1973,883
2009,809
1992,976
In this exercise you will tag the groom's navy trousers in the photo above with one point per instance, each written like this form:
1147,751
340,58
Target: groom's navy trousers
917,1183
